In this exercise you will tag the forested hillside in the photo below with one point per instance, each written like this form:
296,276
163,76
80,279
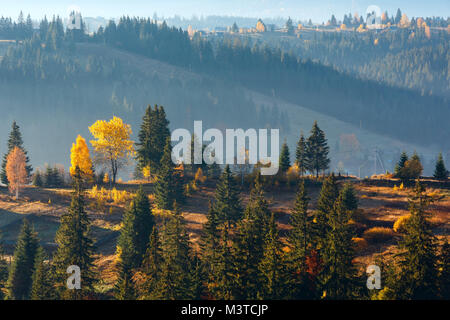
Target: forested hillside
417,57
51,55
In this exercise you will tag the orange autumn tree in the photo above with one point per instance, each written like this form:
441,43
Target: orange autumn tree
16,170
80,157
112,144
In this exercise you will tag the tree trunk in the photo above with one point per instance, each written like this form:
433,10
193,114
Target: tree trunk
17,192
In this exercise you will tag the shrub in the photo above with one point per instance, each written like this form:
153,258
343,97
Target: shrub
378,234
120,197
102,196
400,223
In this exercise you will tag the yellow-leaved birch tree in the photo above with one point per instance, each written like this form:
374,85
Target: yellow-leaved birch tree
112,144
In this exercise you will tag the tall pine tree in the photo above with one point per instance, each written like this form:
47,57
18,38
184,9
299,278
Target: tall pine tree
209,247
300,236
151,267
300,155
21,272
138,223
272,265
227,204
339,274
440,172
43,282
301,242
285,161
401,163
249,242
152,138
169,185
317,150
224,282
418,265
325,204
75,245
176,279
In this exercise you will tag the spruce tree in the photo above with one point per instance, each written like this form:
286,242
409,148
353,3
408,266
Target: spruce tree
301,234
134,235
151,266
37,179
398,16
249,242
42,288
401,164
169,186
440,172
21,272
272,265
197,279
144,223
224,286
338,277
176,279
301,241
349,199
126,243
14,140
317,150
124,288
325,204
209,246
75,246
418,265
300,155
285,162
152,138
227,204
258,208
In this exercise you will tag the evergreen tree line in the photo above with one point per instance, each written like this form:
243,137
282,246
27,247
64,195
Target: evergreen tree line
417,59
52,177
12,30
408,169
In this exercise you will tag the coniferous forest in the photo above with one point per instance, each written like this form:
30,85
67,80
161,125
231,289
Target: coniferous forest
93,205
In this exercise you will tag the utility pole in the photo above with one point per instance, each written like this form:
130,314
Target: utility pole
375,161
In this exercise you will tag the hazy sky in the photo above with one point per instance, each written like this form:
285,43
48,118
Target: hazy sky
299,9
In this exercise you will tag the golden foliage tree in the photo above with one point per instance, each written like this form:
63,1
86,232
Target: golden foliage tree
80,157
112,144
16,170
